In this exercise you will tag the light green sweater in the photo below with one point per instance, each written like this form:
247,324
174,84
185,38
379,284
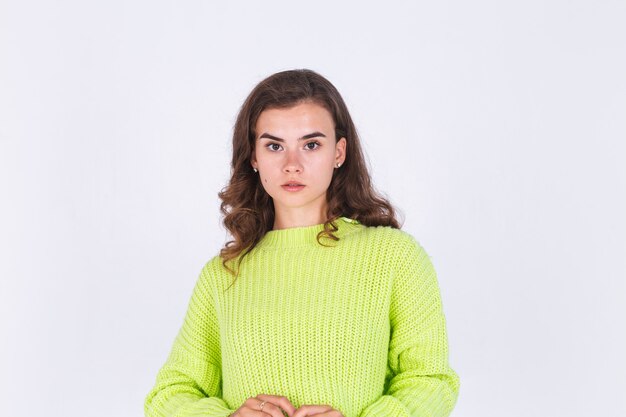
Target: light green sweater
358,326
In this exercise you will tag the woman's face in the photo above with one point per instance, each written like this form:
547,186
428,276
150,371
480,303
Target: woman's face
297,145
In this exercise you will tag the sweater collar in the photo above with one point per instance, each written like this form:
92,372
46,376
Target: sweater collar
306,235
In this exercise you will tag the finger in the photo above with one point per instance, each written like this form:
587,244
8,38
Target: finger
252,408
280,401
269,410
311,410
249,411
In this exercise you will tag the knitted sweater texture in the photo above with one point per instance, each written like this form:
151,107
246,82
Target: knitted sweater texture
357,325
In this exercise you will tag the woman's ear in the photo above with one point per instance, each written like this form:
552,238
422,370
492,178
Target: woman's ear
340,150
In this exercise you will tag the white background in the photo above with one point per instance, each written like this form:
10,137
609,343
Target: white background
497,128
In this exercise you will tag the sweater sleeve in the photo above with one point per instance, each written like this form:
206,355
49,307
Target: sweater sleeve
419,380
189,383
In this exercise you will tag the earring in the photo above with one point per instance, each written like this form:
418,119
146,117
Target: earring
254,169
338,165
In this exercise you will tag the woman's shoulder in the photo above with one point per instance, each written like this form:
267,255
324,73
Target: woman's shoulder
387,235
387,241
214,274
213,262
208,269
211,269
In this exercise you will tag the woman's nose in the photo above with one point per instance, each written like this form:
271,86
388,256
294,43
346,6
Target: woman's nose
292,164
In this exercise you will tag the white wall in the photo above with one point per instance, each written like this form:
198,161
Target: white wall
498,128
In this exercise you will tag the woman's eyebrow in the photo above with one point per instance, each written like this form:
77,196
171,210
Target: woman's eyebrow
305,137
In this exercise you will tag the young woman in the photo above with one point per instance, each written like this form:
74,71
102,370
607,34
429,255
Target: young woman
321,305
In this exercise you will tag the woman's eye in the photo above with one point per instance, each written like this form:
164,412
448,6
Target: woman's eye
312,143
271,146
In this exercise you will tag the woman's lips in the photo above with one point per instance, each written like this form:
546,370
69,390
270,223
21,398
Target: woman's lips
292,187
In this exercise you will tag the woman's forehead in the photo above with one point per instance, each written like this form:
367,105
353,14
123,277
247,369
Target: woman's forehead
306,117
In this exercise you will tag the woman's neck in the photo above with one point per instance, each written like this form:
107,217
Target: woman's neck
298,217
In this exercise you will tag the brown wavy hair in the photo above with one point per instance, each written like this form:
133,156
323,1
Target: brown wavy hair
247,208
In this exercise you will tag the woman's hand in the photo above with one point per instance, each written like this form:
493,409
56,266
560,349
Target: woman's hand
317,410
265,405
